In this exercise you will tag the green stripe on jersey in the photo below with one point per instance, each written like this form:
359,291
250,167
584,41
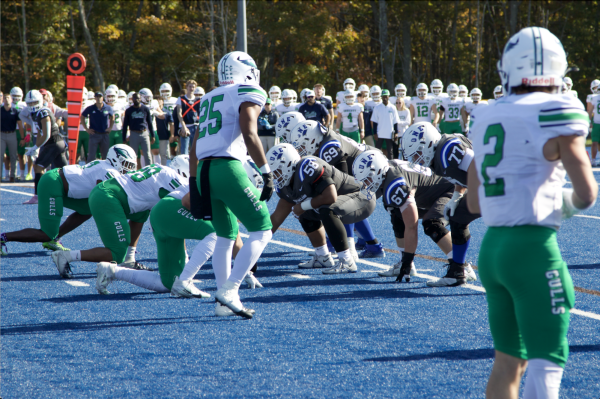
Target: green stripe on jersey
566,116
251,90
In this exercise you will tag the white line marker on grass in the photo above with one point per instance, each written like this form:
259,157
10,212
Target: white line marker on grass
298,275
76,283
588,216
17,192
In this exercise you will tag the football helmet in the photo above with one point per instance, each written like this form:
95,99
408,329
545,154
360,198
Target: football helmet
349,97
238,67
452,91
369,170
463,92
306,137
165,91
569,82
303,95
349,84
594,86
114,87
90,95
294,96
419,142
121,95
475,95
181,164
253,172
110,96
129,97
364,89
400,90
199,92
122,157
287,97
285,124
34,100
532,57
17,94
85,94
375,93
146,96
564,88
274,93
437,87
498,92
422,90
282,160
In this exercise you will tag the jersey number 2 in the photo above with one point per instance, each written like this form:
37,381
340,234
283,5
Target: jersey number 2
495,189
206,111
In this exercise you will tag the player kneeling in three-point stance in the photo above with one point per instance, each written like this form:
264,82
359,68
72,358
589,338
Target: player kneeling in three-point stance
69,187
220,190
523,145
320,196
113,203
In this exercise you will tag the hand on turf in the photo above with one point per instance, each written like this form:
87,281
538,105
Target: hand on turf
268,187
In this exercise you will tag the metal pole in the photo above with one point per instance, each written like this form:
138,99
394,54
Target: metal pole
241,27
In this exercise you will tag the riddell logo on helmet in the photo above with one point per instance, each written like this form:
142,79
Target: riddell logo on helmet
541,81
226,82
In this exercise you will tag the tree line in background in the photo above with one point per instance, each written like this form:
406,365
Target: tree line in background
143,43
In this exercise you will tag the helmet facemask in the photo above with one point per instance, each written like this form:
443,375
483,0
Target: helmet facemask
422,94
453,94
287,101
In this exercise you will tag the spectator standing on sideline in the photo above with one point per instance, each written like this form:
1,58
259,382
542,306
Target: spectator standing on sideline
165,130
187,109
319,90
313,110
8,124
266,125
101,122
384,122
138,120
404,121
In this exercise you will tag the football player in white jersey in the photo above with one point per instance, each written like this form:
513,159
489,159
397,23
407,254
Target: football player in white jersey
498,93
595,127
370,104
569,82
130,99
364,89
468,107
116,136
400,92
166,92
524,146
287,103
463,92
594,87
423,108
450,109
69,187
224,137
122,97
349,121
275,95
349,84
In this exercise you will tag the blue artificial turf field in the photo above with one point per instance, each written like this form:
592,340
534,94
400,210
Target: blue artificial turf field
313,335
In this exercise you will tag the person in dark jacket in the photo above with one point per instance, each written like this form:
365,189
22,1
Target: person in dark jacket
266,125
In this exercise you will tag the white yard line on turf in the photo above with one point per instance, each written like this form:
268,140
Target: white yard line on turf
427,276
17,192
588,216
76,283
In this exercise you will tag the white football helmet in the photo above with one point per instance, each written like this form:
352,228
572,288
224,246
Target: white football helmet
282,160
110,96
121,95
452,91
146,96
122,157
303,95
594,86
199,92
349,84
419,142
287,97
437,87
114,87
238,67
476,95
17,94
165,91
285,124
91,95
253,172
364,89
532,57
85,94
375,93
400,90
294,96
563,88
569,82
369,170
422,90
306,137
130,96
463,92
34,100
349,97
498,92
181,164
274,93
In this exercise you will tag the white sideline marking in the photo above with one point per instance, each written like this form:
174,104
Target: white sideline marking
297,275
427,276
587,216
16,192
76,283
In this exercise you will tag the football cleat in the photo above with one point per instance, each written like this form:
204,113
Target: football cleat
342,267
454,277
360,244
224,311
61,260
54,245
252,281
470,273
228,296
394,271
105,274
372,251
29,177
135,265
3,248
317,262
186,289
31,201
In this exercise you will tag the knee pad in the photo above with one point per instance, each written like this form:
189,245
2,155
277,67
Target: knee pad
435,229
310,225
460,233
397,223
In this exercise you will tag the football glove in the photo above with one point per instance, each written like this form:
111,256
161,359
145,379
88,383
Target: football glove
451,205
268,187
252,281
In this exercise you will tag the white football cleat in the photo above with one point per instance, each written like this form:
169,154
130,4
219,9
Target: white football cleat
394,271
61,260
342,267
228,296
105,274
252,281
470,273
224,311
187,289
317,262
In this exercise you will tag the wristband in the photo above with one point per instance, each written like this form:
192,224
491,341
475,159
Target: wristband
265,169
306,205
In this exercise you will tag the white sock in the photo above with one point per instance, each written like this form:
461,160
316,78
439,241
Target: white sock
543,379
345,255
130,255
322,251
202,252
75,255
222,260
351,244
449,255
249,254
142,278
156,159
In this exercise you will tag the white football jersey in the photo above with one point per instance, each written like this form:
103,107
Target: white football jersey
83,179
589,97
180,192
143,187
350,115
282,109
339,97
470,106
423,108
518,185
595,101
169,105
119,109
370,105
451,108
219,133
